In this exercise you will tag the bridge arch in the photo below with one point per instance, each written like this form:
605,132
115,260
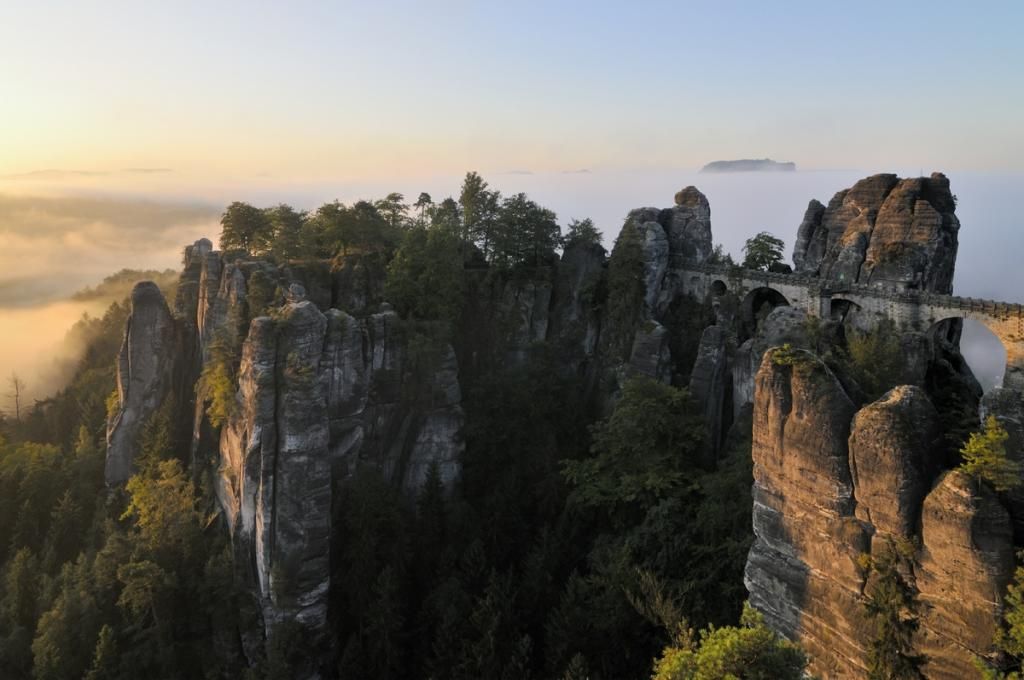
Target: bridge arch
719,288
756,305
982,347
840,308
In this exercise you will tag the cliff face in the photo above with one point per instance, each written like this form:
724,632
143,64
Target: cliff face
965,565
884,231
802,572
832,483
322,392
331,380
145,371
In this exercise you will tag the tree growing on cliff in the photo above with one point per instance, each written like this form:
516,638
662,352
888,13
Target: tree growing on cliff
525,233
874,360
762,251
425,277
288,240
750,650
581,231
245,227
1010,639
984,457
479,212
892,610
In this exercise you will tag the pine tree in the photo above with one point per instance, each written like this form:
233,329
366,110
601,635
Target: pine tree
985,458
892,609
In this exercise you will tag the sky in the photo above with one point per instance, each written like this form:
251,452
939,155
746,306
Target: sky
305,91
126,127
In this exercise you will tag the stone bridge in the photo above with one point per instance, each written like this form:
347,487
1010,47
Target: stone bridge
911,310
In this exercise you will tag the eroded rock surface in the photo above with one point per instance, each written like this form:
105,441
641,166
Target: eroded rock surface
822,499
965,564
892,458
884,231
145,370
802,572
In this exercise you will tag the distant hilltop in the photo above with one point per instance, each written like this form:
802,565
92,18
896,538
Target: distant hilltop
749,165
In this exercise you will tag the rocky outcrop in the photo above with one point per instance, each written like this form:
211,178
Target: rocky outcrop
965,564
575,314
709,385
650,355
802,573
883,231
391,405
275,480
809,228
320,395
783,325
524,311
145,372
822,499
1007,406
688,224
893,461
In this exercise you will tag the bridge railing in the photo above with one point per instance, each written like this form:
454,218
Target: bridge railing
823,287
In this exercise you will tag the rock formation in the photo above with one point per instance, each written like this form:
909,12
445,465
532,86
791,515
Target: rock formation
274,482
1007,406
331,380
893,461
822,498
965,565
145,368
803,572
883,231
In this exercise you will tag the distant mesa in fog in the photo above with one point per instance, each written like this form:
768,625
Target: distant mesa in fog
750,165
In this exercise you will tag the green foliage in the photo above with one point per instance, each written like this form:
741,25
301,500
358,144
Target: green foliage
874,359
1010,638
479,214
425,278
525,233
287,228
624,306
217,382
892,610
359,228
581,232
750,651
393,210
984,457
245,227
720,257
641,454
785,355
762,251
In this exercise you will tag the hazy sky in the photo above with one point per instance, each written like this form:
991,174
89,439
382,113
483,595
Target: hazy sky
125,127
300,91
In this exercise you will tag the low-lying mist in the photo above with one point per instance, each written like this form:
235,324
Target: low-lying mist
53,246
